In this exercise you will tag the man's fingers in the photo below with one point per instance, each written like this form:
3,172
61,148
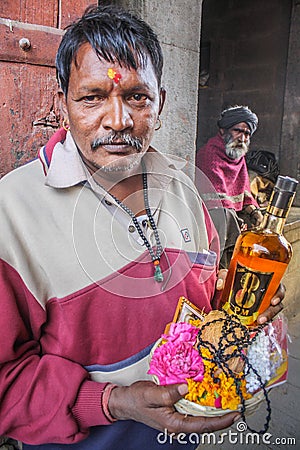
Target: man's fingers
269,314
166,395
222,274
275,307
188,424
279,296
200,424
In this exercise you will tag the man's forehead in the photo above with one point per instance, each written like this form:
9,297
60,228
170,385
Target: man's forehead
240,125
88,64
87,51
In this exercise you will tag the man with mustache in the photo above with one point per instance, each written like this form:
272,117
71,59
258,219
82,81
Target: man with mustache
227,191
100,236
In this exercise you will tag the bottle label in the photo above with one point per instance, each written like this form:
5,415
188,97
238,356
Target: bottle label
248,290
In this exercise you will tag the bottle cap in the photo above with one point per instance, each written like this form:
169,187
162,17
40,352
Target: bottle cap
285,183
282,196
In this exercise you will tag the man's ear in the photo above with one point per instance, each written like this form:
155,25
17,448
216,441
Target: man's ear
62,104
162,98
222,131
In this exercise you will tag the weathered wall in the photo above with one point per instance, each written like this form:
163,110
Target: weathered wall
291,277
248,57
28,107
290,138
181,47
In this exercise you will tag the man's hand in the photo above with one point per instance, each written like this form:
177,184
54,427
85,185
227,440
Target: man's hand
275,307
153,405
254,214
256,217
222,274
276,302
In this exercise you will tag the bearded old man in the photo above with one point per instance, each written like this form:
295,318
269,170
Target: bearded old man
226,190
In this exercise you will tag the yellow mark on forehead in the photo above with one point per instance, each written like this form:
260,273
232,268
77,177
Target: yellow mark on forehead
114,75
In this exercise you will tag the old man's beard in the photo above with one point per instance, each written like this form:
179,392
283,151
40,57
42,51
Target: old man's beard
235,149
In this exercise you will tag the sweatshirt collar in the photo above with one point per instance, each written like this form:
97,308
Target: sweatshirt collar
64,167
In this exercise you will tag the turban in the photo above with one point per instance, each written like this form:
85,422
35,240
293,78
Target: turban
236,114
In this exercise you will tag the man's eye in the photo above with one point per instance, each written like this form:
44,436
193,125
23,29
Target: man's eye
91,98
139,97
240,130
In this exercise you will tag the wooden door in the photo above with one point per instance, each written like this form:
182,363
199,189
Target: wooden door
30,32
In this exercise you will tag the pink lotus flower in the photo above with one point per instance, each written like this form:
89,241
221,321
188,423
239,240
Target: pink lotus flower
182,332
175,361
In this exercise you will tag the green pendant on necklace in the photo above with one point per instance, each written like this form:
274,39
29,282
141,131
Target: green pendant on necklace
158,276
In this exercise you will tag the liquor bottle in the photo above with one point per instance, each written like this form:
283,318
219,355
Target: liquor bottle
260,258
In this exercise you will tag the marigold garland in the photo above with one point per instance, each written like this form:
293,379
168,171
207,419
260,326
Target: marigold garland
232,368
218,392
177,361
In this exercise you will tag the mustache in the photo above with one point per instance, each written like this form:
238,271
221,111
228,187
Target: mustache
236,151
238,145
118,138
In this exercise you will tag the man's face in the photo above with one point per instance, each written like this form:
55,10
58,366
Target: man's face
237,140
112,122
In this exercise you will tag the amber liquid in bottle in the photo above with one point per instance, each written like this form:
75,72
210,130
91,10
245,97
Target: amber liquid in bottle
259,260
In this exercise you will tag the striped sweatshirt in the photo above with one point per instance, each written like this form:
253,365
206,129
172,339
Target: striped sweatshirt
79,305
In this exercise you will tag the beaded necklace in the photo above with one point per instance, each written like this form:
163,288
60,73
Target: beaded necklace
158,276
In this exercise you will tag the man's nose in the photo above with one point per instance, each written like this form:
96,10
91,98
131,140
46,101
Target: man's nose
117,116
243,137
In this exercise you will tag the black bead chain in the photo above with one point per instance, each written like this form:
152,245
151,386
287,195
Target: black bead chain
219,357
159,249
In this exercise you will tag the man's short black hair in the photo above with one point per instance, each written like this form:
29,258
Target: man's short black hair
115,35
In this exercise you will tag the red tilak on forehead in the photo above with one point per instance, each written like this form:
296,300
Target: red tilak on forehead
114,75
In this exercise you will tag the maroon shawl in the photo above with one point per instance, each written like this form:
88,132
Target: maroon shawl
229,178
